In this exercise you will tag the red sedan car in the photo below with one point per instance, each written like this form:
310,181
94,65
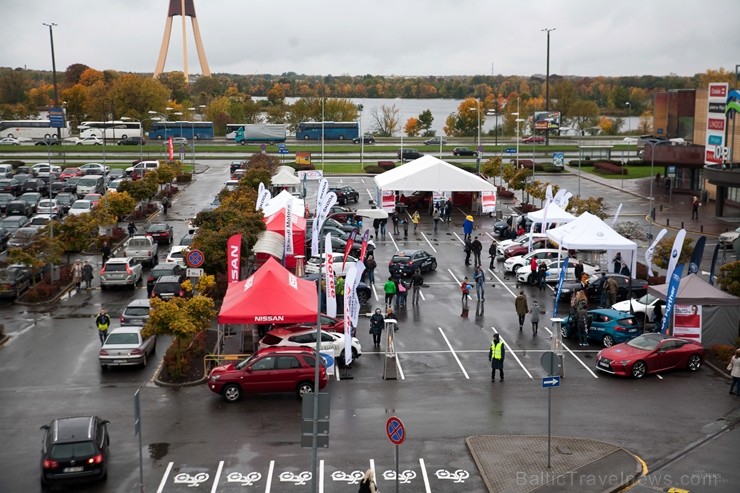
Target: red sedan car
517,249
650,353
70,172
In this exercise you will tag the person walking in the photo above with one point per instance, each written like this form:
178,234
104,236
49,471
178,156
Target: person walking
617,263
370,266
131,228
105,252
534,316
542,275
578,269
496,354
468,224
405,223
376,226
477,248
612,289
447,212
695,208
522,308
367,484
102,322
734,369
77,273
383,227
394,220
480,283
435,217
465,289
390,290
165,203
417,281
402,290
581,314
377,323
416,219
468,250
492,254
87,275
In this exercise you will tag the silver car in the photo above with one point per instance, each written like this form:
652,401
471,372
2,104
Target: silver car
125,346
136,313
120,271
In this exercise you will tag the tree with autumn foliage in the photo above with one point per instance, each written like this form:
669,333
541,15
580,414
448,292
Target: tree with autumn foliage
592,205
43,250
412,127
729,278
662,252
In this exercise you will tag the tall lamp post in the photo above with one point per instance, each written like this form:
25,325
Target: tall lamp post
199,111
362,138
478,148
53,68
141,131
629,115
547,83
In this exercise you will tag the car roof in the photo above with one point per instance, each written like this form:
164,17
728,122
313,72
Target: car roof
127,329
72,429
164,279
611,313
139,302
118,260
284,349
407,252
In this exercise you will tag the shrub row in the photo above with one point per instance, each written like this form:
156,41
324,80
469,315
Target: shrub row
609,168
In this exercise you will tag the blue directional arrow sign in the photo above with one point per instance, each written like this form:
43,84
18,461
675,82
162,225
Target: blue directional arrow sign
510,150
548,382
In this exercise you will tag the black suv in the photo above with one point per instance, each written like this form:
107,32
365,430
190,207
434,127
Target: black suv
346,195
161,270
408,154
167,287
74,450
405,262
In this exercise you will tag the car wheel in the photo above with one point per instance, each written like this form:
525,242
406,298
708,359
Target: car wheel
304,388
694,362
608,341
341,137
232,392
639,369
433,265
532,279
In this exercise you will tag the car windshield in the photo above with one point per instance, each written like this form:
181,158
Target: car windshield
66,451
136,311
157,227
87,182
81,205
127,338
401,258
139,243
647,299
176,254
166,287
163,271
115,267
646,343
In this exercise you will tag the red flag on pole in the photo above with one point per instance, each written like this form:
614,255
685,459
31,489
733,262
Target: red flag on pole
348,246
363,249
233,257
170,149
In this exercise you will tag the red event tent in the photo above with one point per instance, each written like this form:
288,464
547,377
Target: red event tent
272,294
276,223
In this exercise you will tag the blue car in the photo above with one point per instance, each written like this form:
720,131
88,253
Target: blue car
606,326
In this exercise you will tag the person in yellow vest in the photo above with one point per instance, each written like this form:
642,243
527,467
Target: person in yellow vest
102,321
496,354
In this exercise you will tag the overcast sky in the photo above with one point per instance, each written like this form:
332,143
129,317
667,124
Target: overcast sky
383,37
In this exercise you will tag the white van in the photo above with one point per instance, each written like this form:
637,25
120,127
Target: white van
90,184
6,170
142,167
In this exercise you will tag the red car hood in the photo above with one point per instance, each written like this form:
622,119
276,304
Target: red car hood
620,352
219,370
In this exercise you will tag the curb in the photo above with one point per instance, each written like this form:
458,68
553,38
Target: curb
718,370
161,383
41,303
4,340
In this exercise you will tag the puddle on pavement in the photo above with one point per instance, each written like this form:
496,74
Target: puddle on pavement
158,450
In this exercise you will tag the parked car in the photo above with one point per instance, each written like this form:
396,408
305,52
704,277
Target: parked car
141,168
408,154
341,214
80,207
70,172
161,232
167,287
125,346
142,248
74,450
650,353
35,185
14,280
406,262
162,270
312,266
626,287
176,141
23,237
533,139
49,207
12,223
367,139
332,223
132,141
345,195
283,369
70,185
4,199
39,221
644,308
65,200
728,238
113,186
10,185
18,208
9,141
519,249
94,198
502,228
502,245
464,151
136,312
331,342
235,165
42,170
177,255
436,141
120,271
91,140
513,264
94,169
90,184
605,326
525,275
50,141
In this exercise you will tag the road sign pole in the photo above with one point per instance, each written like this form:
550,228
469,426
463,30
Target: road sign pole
549,429
396,468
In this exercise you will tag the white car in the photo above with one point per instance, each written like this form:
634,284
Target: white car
80,207
300,337
312,266
113,186
522,240
91,140
95,169
120,271
513,264
43,169
643,308
49,207
728,238
10,141
176,141
525,275
177,255
125,346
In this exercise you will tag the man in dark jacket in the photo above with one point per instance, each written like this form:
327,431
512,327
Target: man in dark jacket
377,323
468,250
492,254
416,282
477,248
578,269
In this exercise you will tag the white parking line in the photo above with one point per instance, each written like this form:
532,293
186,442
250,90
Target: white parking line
400,370
459,239
509,350
369,194
268,485
574,355
458,282
428,242
375,293
394,241
321,476
423,466
502,283
217,476
164,477
447,341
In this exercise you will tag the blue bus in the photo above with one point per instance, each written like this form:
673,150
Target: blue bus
331,130
189,130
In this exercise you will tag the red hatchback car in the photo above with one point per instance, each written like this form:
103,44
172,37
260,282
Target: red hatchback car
275,369
70,172
650,353
328,324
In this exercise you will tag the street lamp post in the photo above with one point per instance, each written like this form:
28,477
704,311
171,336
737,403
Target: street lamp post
53,68
629,115
478,148
199,109
141,131
547,84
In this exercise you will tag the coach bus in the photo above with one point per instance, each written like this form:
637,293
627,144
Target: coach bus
31,129
189,130
112,129
331,130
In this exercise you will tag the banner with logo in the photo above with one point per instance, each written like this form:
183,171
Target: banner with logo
170,149
329,360
696,256
302,157
363,247
288,250
670,300
233,257
616,215
323,188
263,199
561,278
488,201
687,322
675,252
354,307
331,292
548,193
716,122
388,201
651,251
349,293
350,242
714,264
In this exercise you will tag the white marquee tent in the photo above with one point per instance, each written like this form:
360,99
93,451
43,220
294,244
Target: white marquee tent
279,202
555,215
588,232
285,178
429,174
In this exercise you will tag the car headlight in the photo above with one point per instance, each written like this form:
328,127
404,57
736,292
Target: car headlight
624,362
214,378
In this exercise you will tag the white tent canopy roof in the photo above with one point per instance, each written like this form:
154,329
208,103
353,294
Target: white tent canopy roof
555,215
285,178
279,201
588,232
429,174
